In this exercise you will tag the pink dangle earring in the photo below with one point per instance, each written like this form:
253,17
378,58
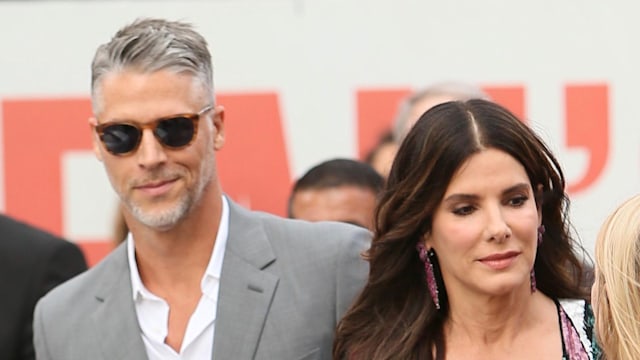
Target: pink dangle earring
428,257
532,275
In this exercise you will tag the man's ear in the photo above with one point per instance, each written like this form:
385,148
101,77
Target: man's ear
218,124
95,140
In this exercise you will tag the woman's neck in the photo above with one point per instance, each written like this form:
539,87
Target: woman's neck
493,319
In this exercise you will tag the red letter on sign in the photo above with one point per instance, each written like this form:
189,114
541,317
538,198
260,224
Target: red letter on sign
587,115
376,111
253,165
511,97
36,133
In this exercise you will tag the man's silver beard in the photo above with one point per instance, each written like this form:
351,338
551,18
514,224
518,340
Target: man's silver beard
163,220
169,218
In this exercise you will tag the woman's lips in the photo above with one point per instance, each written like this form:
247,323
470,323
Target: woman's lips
500,261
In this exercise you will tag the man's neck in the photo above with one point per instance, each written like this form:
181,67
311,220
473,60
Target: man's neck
178,256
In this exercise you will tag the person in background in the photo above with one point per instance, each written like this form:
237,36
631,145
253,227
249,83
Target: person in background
409,110
418,102
32,262
472,256
337,190
616,290
198,277
381,156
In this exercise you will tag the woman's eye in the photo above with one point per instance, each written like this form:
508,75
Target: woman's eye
518,200
463,210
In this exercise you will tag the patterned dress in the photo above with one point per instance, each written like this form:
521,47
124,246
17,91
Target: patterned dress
576,325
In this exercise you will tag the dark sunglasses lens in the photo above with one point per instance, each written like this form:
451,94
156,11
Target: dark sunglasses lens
120,138
175,132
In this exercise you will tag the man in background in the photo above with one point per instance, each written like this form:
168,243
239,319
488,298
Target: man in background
381,156
32,262
337,190
414,105
410,109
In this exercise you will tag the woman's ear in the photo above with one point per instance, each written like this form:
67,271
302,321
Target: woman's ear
427,240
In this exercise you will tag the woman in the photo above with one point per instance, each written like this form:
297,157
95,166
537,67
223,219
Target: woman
472,257
616,291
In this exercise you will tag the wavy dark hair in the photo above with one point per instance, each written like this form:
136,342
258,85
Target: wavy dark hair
394,317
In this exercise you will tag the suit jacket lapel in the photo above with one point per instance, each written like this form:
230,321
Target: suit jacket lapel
115,318
245,290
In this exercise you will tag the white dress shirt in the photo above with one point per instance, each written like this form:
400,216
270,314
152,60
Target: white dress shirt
153,312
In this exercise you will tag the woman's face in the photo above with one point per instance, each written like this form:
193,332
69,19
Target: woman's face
485,229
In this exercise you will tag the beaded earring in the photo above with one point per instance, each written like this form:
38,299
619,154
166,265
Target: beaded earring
432,270
532,275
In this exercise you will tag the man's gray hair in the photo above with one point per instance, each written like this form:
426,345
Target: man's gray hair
150,45
456,90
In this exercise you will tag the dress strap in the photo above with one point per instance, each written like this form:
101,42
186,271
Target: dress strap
576,327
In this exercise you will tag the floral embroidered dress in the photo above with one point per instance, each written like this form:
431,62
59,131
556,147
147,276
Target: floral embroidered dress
576,326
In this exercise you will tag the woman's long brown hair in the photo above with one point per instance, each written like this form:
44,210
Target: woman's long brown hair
394,317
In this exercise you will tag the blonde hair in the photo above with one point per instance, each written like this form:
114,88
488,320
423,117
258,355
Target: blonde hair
617,293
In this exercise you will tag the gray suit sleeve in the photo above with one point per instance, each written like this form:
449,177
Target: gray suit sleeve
63,263
39,340
352,270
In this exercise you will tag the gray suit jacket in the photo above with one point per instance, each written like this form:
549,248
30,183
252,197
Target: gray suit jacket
284,286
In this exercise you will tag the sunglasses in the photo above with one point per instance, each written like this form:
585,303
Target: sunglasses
173,132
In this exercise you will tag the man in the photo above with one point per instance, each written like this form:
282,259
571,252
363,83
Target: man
337,190
414,105
409,111
199,277
32,262
381,156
